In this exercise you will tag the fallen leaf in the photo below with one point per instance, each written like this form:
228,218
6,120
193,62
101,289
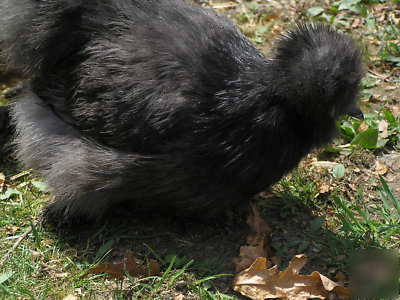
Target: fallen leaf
363,127
338,171
375,98
179,297
258,282
276,260
256,241
356,23
324,164
380,168
2,181
71,297
343,293
128,265
395,110
224,5
324,188
256,223
247,256
340,277
61,275
153,268
35,254
383,129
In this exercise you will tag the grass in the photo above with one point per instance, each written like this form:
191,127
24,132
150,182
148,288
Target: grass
328,213
379,223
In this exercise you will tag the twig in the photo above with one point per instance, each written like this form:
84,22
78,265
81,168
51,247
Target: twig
16,244
381,76
19,175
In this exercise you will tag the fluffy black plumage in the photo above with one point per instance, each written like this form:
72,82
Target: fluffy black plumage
167,105
4,128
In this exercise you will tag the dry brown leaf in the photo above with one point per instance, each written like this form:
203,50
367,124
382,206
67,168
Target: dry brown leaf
381,168
35,254
2,181
356,23
340,277
71,297
275,260
258,282
61,275
391,87
324,188
247,256
256,223
224,5
324,164
364,126
256,241
343,293
375,97
396,110
179,297
383,129
153,268
129,264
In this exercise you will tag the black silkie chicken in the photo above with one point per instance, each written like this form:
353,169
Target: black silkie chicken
166,105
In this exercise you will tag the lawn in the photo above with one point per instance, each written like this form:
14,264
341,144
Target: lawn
340,207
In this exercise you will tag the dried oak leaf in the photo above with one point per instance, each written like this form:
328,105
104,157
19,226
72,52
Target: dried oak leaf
258,282
381,168
256,223
256,241
248,254
127,265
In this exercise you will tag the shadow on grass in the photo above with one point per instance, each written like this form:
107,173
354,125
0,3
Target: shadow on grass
211,244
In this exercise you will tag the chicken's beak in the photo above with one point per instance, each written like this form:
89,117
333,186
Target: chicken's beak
356,112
